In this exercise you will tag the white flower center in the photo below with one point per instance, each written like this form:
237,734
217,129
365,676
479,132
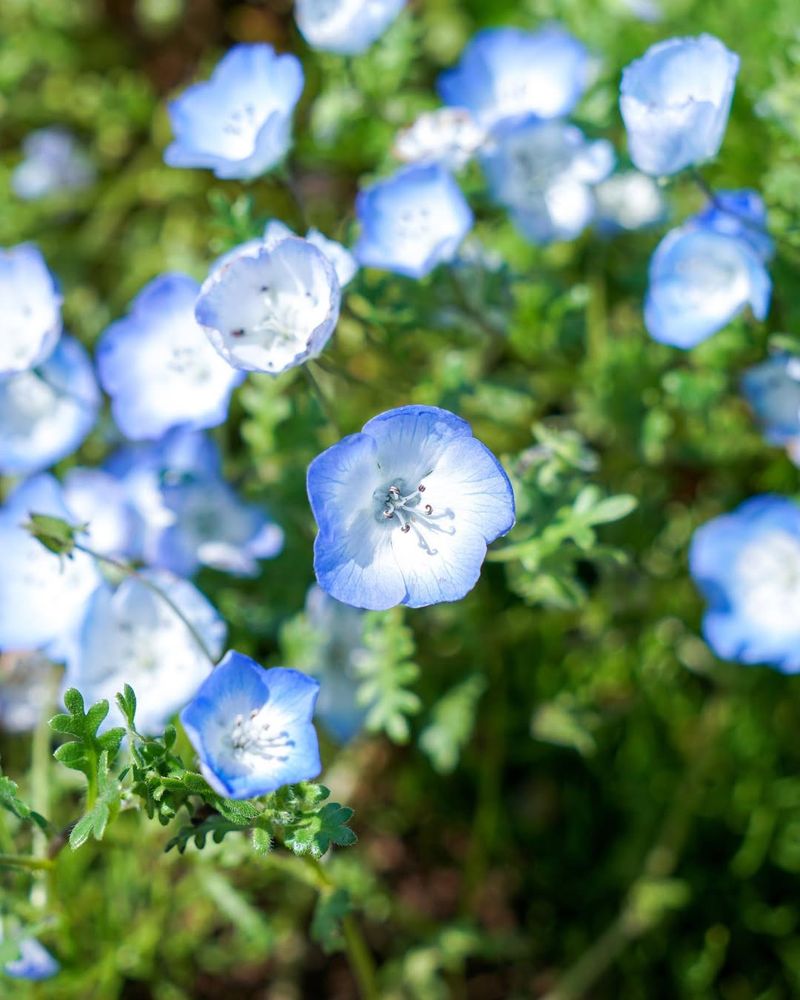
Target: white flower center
252,734
190,362
396,506
284,320
240,127
768,571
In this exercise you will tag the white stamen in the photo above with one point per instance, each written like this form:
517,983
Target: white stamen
252,735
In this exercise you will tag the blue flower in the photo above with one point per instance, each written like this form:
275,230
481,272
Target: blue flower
158,366
101,502
131,635
30,320
238,124
741,214
544,173
27,684
507,73
773,391
747,564
449,136
34,963
675,103
344,263
46,413
412,221
252,728
346,27
628,201
701,277
212,526
54,163
270,307
42,596
405,510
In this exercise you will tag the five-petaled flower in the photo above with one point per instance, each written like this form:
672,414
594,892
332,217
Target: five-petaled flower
346,27
405,510
30,318
252,727
773,391
238,123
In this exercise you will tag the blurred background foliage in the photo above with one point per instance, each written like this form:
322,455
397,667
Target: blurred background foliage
576,791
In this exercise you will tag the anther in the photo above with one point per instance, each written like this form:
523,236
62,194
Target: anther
428,508
406,528
421,488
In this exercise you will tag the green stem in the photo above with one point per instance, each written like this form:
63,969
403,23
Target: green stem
316,389
130,571
40,798
25,861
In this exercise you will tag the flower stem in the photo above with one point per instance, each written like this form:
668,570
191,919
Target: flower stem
324,406
128,570
26,861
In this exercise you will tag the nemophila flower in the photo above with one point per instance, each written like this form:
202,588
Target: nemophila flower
27,690
271,307
30,319
213,526
132,635
544,173
339,629
449,136
46,413
42,596
346,27
34,962
700,279
100,501
773,391
747,564
405,510
55,163
628,201
344,263
675,102
238,123
158,367
412,221
252,728
741,214
507,73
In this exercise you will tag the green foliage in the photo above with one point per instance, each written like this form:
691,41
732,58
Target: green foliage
386,673
452,721
56,534
326,924
86,748
10,801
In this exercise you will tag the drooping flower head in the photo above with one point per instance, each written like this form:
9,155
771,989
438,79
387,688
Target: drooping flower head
42,596
747,564
131,635
34,963
412,221
238,123
272,307
47,412
252,728
30,319
158,366
628,201
55,163
675,101
507,73
405,510
346,27
702,275
544,173
449,136
773,391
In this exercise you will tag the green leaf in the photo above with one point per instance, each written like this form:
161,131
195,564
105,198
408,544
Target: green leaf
10,801
105,808
451,725
127,705
262,840
84,751
317,832
326,924
386,672
613,508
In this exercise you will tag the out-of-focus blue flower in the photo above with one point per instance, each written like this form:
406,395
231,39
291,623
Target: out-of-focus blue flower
340,631
34,963
55,163
131,635
42,596
100,501
747,564
238,123
252,728
741,214
346,27
543,173
27,690
270,307
30,318
700,278
449,136
628,201
412,221
773,391
46,413
158,366
507,73
675,103
213,527
405,510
